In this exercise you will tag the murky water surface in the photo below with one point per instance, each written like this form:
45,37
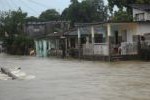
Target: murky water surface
58,79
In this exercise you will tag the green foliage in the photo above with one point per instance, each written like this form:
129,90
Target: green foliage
19,45
125,3
32,19
12,22
49,15
121,16
85,11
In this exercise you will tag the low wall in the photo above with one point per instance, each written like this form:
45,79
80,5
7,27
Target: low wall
96,49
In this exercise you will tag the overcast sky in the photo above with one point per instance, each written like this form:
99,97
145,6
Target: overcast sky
34,7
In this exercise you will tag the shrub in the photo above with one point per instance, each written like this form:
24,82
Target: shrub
19,45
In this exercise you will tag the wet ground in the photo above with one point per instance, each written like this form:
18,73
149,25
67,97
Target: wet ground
58,79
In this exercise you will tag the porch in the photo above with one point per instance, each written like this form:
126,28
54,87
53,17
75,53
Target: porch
117,40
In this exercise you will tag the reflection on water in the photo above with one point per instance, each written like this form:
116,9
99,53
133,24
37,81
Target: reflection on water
58,79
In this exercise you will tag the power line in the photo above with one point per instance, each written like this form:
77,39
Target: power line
9,5
39,4
15,5
28,7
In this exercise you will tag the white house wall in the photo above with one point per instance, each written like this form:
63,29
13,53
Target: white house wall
52,44
131,29
146,14
143,28
130,35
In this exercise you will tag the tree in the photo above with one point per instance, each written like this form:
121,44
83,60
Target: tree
32,19
49,15
18,45
74,1
122,16
125,11
85,11
125,3
12,21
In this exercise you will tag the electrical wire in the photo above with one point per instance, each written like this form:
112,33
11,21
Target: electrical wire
14,3
27,6
39,4
6,5
9,5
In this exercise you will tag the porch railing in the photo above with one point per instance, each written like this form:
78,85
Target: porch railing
96,49
145,45
129,48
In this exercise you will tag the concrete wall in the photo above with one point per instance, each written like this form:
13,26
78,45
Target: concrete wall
35,30
143,28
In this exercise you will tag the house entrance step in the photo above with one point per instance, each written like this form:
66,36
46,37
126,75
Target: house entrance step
116,58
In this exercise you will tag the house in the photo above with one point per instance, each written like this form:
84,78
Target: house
46,35
34,29
111,40
103,40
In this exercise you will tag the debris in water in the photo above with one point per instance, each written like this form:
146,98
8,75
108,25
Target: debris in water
14,73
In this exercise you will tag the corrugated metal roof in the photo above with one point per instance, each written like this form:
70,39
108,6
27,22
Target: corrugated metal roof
86,31
145,7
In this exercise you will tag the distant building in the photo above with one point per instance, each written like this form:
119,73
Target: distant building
141,12
46,35
35,29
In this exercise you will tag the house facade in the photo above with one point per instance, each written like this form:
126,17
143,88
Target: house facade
46,35
116,39
103,41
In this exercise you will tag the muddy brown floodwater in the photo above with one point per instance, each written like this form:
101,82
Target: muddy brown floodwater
58,79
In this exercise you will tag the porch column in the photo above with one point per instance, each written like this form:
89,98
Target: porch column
79,43
56,46
92,33
40,48
36,47
109,40
44,48
66,44
93,40
69,44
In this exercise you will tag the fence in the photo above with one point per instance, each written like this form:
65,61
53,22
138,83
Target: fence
96,49
129,48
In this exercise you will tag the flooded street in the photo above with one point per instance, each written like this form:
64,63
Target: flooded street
58,79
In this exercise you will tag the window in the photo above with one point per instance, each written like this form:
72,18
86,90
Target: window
99,38
140,17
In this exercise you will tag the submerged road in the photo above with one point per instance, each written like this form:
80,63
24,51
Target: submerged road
58,79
